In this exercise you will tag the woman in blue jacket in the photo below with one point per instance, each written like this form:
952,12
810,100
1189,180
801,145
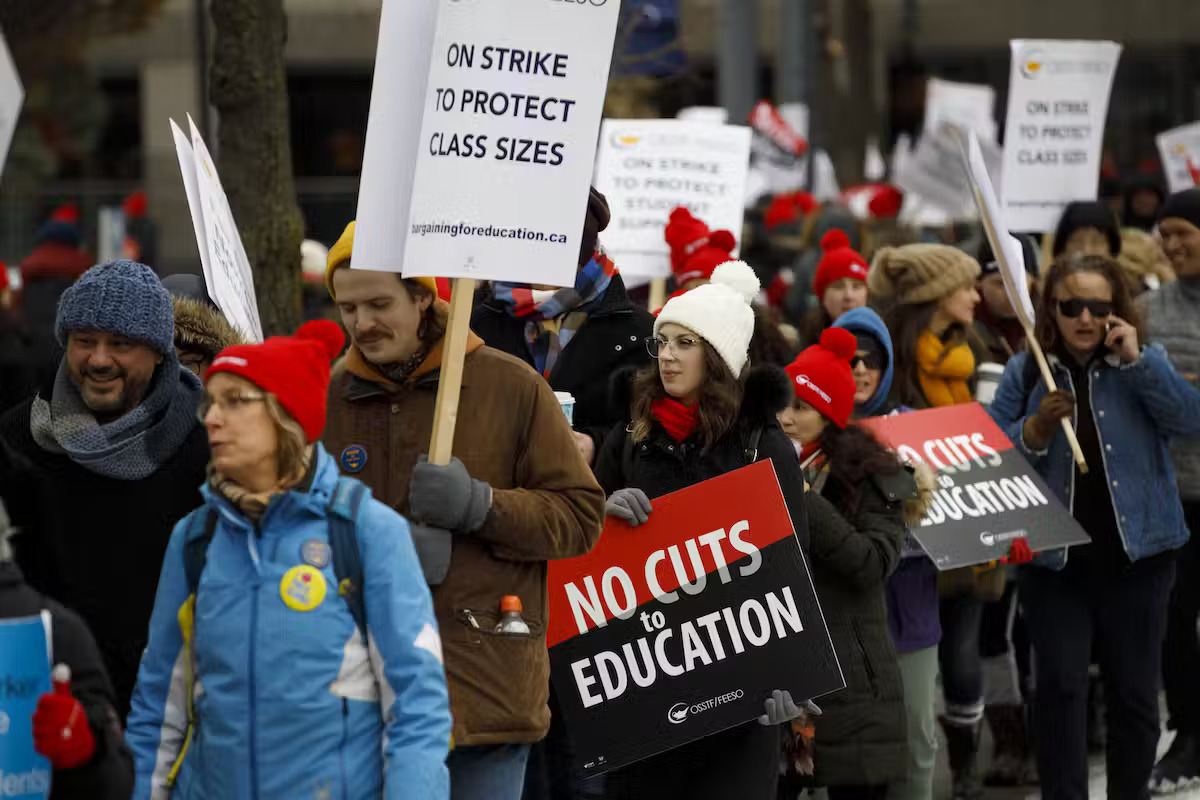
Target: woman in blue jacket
293,650
1125,402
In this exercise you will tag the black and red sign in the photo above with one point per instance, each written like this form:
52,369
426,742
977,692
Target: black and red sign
682,627
988,493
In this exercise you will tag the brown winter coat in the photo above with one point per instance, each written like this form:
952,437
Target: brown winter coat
512,434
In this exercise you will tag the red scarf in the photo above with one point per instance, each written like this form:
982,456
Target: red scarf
677,420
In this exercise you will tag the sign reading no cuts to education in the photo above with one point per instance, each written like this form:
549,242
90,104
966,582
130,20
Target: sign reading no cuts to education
648,167
988,494
24,677
508,136
682,627
1057,106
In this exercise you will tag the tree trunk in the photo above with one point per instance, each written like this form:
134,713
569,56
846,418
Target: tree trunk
249,90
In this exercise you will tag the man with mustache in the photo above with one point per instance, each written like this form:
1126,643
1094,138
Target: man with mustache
105,459
517,494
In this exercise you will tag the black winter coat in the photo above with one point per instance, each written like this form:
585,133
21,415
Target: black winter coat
611,340
861,739
109,775
95,543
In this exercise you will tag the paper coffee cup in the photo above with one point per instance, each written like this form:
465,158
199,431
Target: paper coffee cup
987,380
567,401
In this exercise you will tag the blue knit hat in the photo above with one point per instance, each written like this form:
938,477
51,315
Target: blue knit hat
123,298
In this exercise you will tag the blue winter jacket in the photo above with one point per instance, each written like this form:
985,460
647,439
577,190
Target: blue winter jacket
289,702
1137,408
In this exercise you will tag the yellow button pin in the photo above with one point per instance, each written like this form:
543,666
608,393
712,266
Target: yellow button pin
302,588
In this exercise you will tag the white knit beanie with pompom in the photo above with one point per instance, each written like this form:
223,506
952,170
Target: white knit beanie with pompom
719,312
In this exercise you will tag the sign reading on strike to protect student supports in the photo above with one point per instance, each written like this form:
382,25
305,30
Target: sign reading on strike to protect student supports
1057,105
682,627
508,139
648,167
987,494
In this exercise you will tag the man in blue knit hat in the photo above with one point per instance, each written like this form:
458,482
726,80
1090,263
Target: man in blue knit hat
105,459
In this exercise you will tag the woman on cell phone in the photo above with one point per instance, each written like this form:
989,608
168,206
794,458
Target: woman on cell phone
1125,402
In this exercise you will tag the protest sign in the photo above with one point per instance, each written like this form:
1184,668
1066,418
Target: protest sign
12,96
25,677
1179,149
988,493
710,115
1057,105
646,168
967,105
227,273
508,139
682,627
932,171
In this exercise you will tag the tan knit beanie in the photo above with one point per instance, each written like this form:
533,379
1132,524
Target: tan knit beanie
920,273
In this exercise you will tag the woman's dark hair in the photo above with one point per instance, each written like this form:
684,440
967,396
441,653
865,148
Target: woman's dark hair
815,321
433,322
907,323
716,409
854,456
1046,329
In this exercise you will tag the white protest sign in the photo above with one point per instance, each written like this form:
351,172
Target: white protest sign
1179,149
932,171
968,105
1057,104
12,96
1012,265
508,139
712,115
228,276
646,168
187,168
393,133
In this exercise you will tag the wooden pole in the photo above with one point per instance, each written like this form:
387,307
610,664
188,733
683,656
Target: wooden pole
454,350
658,294
1048,377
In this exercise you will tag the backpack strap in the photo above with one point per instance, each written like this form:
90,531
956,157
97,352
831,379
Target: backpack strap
627,457
202,524
343,542
751,442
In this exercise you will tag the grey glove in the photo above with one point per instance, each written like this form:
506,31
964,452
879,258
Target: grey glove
448,497
631,505
433,551
780,709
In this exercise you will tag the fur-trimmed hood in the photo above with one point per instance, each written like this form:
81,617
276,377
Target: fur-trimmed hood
201,328
767,392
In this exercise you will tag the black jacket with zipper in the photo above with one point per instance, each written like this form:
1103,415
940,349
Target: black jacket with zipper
109,774
611,340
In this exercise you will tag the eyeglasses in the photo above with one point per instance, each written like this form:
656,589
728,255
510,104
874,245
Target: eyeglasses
868,360
1074,306
229,404
680,345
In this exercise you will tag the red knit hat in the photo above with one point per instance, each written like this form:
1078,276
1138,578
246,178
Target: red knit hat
886,203
822,376
293,368
838,261
788,208
695,250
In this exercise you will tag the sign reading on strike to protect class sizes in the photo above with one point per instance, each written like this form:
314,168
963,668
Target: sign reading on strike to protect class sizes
1057,104
988,494
682,627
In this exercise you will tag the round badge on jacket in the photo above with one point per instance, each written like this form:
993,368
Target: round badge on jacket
302,588
315,552
353,458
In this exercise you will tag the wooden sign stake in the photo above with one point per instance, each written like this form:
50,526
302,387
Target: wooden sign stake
454,350
658,294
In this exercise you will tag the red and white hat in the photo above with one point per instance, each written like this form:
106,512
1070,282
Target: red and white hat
838,261
293,368
822,377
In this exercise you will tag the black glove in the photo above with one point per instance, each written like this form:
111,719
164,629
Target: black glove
631,505
448,497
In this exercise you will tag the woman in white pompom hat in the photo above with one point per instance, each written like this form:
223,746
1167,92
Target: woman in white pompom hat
698,413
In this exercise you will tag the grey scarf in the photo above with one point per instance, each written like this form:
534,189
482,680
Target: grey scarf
129,448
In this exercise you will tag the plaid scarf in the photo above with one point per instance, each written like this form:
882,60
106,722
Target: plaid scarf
553,317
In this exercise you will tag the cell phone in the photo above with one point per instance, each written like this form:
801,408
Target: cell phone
1108,326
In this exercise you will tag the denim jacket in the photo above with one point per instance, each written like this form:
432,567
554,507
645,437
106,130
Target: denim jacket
1137,408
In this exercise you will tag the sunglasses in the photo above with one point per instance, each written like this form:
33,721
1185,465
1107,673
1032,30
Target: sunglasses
1074,307
868,360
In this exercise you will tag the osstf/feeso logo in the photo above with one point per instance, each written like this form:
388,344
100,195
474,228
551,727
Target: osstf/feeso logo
680,712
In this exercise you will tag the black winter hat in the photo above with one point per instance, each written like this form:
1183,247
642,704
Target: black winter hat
1183,205
1087,214
987,259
